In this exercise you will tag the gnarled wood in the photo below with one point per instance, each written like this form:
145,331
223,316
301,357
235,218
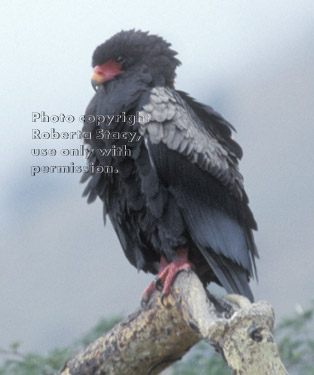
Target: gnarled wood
151,339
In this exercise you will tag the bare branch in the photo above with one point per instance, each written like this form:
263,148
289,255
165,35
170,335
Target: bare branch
151,339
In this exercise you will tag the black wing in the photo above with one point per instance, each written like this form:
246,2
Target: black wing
191,149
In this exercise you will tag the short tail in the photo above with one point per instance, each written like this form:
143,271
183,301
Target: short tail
231,276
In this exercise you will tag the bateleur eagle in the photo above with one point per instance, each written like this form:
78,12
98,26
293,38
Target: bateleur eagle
177,200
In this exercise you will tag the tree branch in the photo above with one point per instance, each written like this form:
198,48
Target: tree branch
151,339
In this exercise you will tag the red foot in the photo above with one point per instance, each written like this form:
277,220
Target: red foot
166,275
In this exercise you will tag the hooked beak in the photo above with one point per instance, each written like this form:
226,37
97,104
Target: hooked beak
96,81
104,73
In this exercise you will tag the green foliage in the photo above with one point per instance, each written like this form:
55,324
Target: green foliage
34,364
17,363
295,340
294,337
102,326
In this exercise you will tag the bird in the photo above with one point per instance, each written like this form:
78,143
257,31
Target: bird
176,197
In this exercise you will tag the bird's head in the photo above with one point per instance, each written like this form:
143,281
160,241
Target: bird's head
131,50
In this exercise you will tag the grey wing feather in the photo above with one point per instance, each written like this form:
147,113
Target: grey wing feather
173,122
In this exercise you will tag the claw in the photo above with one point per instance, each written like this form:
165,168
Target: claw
166,276
162,299
143,303
147,293
158,284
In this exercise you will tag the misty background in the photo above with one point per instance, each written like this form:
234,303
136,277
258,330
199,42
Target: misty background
61,269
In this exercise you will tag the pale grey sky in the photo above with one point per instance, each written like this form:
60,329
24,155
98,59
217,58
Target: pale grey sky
61,270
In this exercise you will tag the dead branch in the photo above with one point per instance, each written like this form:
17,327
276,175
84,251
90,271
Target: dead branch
151,339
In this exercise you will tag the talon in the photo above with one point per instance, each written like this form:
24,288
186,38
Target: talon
166,275
158,284
143,303
162,298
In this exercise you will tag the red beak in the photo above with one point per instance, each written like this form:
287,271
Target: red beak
105,72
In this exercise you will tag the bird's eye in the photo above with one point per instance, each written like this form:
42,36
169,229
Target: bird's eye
120,59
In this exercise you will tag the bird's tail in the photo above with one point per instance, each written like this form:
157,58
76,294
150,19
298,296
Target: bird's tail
231,276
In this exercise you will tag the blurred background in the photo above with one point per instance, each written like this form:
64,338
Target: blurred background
61,270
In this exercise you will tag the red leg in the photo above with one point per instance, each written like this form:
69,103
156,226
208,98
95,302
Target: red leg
152,286
166,275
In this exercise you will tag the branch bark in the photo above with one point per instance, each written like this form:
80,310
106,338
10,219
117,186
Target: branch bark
153,338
